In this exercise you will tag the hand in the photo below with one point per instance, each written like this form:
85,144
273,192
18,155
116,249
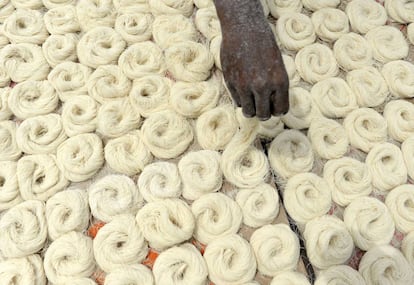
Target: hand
253,68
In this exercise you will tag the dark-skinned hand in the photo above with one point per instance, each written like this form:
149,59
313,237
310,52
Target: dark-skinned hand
251,61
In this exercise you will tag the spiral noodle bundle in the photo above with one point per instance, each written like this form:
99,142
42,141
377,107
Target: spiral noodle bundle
131,4
399,115
69,79
166,134
180,264
301,109
40,134
271,128
80,281
364,15
400,203
169,30
230,260
295,31
368,85
50,4
23,229
32,98
215,50
407,248
290,278
107,83
134,25
276,248
27,4
243,164
119,243
339,274
138,274
117,118
150,94
61,20
69,257
281,7
216,127
330,24
388,43
407,148
193,99
9,149
365,128
95,13
369,222
290,66
67,211
307,196
60,48
24,62
9,187
79,115
4,77
400,11
203,3
291,153
328,241
316,62
100,46
348,179
216,216
5,112
410,33
159,7
207,22
39,177
260,205
328,138
114,195
385,264
315,5
160,180
166,223
399,75
142,59
6,9
200,173
25,26
189,61
27,270
127,154
352,51
334,98
80,157
386,164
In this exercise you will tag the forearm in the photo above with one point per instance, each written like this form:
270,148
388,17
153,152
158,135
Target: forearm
243,14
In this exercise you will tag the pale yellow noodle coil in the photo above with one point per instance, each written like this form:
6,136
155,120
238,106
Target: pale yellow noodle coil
369,222
348,179
307,196
386,163
290,153
127,154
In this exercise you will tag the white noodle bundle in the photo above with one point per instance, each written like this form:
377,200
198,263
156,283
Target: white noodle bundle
216,216
166,223
230,260
39,177
119,243
23,229
67,211
114,195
